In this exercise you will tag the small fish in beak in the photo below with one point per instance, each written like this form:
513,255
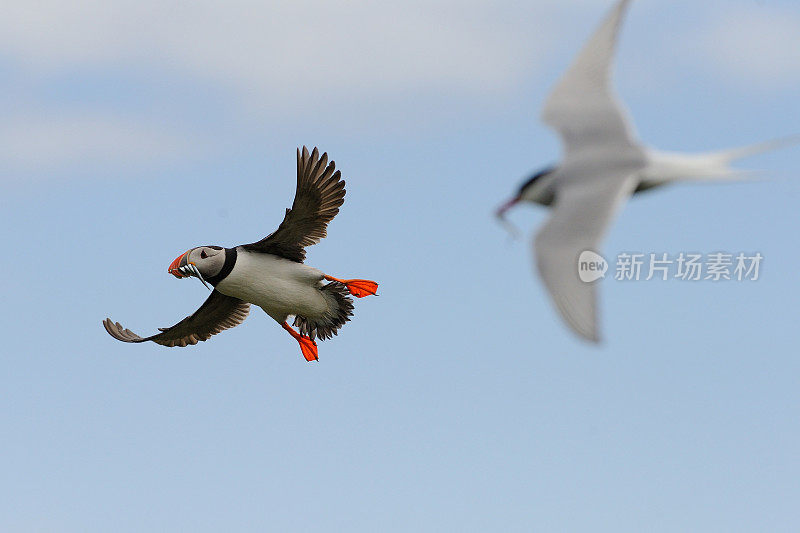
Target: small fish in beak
199,275
501,216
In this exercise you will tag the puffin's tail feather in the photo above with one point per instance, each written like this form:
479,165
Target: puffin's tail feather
340,306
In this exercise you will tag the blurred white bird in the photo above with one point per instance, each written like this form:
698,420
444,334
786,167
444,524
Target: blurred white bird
603,164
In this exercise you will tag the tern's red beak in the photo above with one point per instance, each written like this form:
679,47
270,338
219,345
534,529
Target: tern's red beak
179,262
501,211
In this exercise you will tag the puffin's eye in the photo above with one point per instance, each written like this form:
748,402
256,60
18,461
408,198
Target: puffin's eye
203,254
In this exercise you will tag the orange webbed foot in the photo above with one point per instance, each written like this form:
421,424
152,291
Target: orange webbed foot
358,287
307,345
309,348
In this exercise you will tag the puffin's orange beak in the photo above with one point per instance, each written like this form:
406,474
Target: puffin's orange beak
179,262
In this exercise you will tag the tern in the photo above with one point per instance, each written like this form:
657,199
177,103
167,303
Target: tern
603,164
270,273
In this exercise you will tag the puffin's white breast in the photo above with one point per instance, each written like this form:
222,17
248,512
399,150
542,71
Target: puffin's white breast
279,286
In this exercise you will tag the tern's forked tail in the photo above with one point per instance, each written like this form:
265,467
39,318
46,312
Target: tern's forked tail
664,167
732,154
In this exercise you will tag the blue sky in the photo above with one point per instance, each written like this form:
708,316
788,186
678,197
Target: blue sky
456,401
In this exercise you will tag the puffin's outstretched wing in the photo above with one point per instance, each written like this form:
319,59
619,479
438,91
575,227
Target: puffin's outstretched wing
218,313
320,192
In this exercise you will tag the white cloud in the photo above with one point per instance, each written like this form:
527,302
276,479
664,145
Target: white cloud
294,48
756,44
271,51
40,142
299,58
311,56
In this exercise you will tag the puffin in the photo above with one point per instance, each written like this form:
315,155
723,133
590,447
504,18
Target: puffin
270,273
603,165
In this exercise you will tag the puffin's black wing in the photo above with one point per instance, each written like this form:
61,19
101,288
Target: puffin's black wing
218,313
320,192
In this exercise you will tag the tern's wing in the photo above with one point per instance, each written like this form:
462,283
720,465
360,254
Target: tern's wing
581,215
218,313
582,107
320,193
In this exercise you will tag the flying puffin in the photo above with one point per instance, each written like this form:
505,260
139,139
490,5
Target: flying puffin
604,163
270,273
